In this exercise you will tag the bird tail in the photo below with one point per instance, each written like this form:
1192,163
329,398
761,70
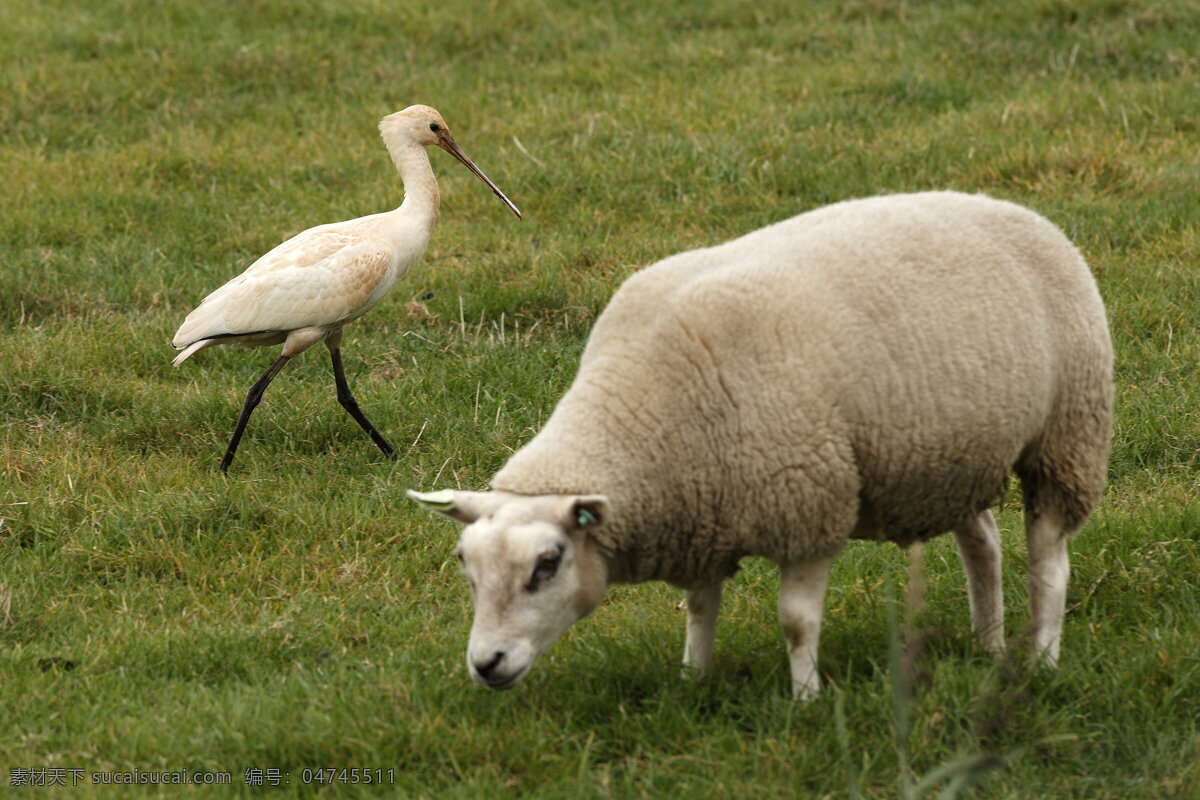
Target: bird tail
189,350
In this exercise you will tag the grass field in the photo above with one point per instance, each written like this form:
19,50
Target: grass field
300,614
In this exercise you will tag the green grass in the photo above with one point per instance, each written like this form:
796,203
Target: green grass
302,614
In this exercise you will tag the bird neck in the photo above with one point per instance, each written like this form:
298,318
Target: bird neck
421,195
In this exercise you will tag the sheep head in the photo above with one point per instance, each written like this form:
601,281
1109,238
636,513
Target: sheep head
532,568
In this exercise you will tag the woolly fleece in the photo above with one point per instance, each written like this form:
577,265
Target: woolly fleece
871,369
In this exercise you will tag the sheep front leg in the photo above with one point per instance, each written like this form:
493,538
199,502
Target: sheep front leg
801,606
1049,570
979,547
702,607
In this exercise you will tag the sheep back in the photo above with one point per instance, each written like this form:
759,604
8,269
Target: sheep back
871,369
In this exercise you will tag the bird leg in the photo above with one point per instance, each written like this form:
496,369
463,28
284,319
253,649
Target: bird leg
253,397
351,405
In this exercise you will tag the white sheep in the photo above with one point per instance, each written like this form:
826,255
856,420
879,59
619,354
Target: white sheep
874,369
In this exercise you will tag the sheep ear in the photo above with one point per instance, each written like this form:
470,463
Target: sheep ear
587,511
463,507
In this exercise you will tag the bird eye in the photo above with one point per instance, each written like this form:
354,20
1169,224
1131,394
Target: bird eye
433,126
546,568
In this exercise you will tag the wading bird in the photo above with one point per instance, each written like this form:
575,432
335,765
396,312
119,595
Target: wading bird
307,289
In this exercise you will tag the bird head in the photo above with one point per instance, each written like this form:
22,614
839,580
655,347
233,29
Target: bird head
418,124
424,126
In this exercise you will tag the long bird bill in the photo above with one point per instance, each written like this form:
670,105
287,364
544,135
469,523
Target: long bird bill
447,143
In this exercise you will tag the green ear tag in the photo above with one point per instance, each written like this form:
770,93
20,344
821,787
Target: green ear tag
585,518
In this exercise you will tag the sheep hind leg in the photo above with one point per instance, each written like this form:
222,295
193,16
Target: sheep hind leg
801,607
702,608
1049,570
979,547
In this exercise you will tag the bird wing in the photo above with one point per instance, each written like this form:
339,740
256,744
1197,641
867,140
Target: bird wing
323,276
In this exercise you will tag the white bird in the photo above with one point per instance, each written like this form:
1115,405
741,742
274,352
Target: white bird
307,289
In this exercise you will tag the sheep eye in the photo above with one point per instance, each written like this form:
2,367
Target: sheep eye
547,566
462,562
433,126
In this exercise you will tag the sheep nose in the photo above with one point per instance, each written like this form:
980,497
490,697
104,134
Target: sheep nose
486,671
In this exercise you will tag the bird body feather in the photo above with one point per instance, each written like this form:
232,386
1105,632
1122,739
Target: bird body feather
324,277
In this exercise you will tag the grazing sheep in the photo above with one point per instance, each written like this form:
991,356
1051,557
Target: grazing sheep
870,370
